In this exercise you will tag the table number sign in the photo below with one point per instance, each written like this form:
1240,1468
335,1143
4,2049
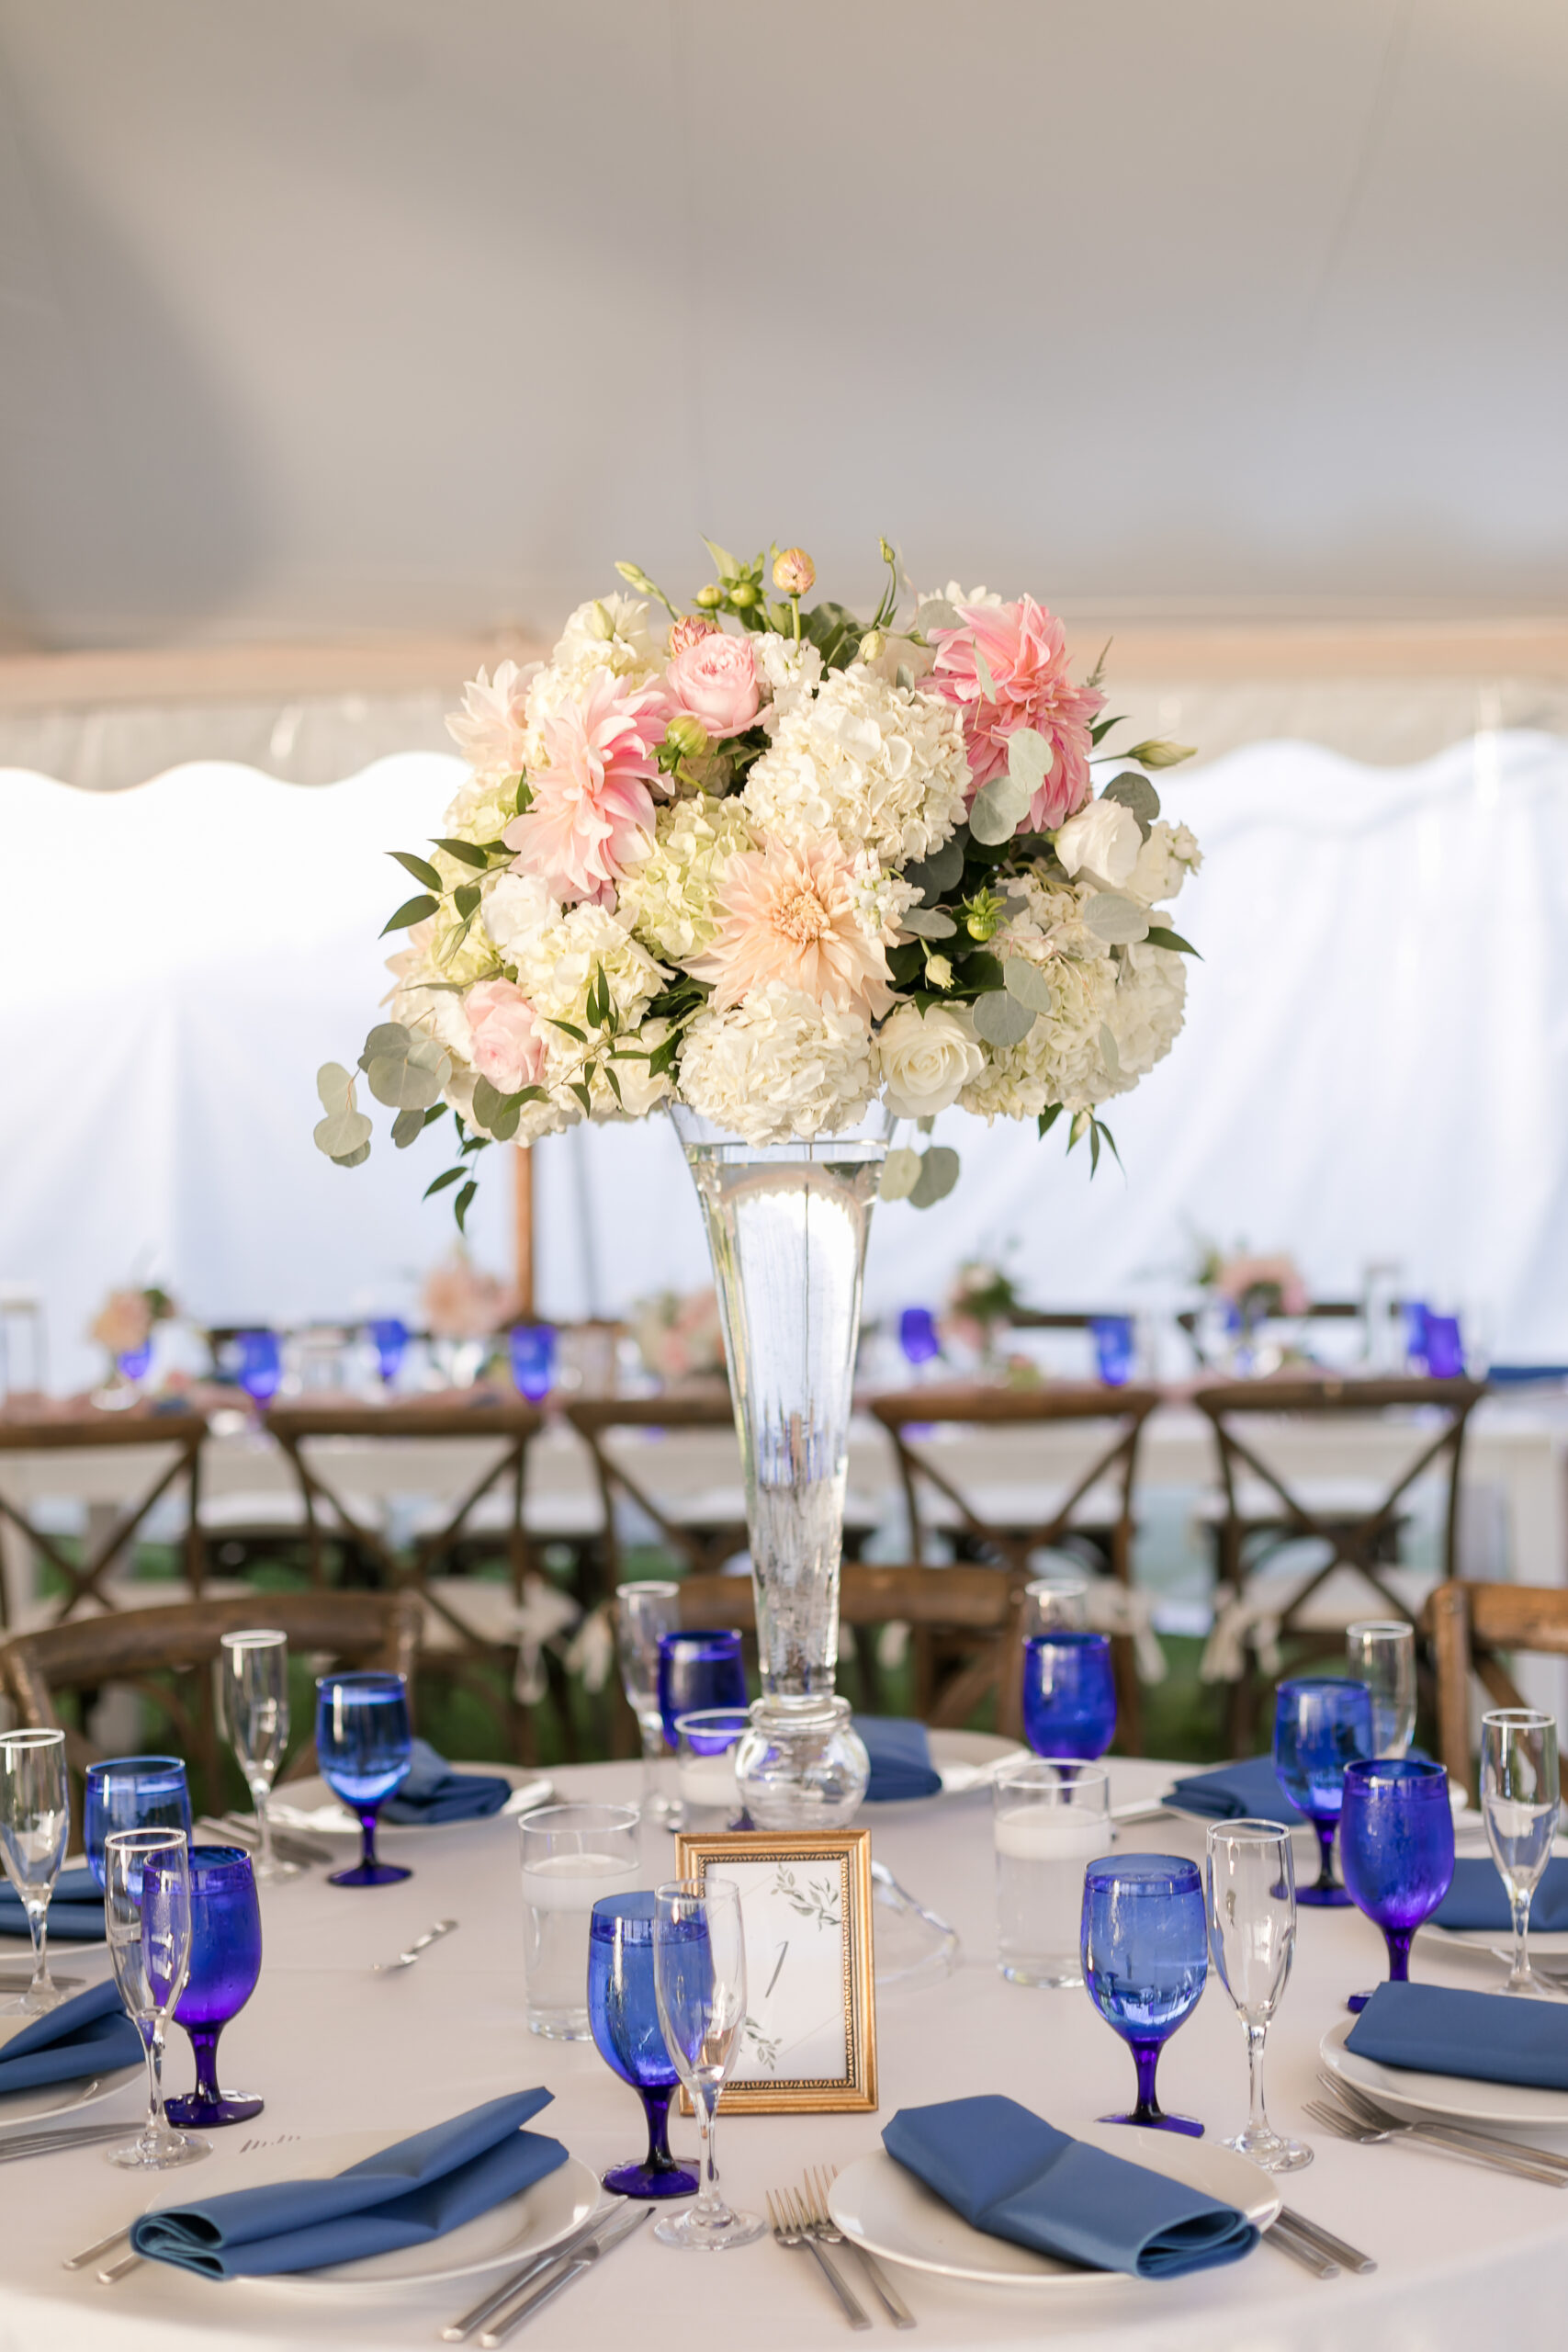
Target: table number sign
809,2042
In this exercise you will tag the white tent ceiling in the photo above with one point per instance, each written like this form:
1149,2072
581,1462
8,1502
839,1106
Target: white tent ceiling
335,317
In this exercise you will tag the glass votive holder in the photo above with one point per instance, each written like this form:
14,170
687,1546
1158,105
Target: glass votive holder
706,1792
572,1856
1049,1821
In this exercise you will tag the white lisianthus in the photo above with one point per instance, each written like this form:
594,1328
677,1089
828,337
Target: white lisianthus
1103,837
788,674
1165,860
776,1065
670,899
927,1058
883,768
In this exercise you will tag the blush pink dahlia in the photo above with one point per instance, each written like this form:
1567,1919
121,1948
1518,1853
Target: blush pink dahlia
690,630
715,678
508,1042
593,796
786,913
1025,650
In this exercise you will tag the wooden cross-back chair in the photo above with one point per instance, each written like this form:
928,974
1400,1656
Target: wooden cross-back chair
977,1612
702,1546
1109,1461
73,1429
1472,1629
167,1655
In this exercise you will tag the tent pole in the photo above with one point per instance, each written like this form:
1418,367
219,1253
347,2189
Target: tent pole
523,1228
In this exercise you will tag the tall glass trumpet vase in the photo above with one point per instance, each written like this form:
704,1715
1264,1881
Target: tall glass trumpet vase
787,1229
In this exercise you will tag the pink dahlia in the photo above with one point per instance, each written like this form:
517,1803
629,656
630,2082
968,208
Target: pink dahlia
593,796
786,913
507,1042
1025,650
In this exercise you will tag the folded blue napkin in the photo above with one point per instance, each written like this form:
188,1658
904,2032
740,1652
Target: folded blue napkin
89,2035
410,2193
1250,1790
1478,1899
1009,2173
1486,2037
900,1757
434,1792
76,1910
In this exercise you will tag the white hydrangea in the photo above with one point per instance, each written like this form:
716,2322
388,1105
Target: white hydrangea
882,767
609,633
789,674
1166,858
881,900
777,1064
671,900
482,812
517,910
1147,1012
557,965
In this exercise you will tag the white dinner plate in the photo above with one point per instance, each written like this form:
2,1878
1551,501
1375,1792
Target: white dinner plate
528,2223
323,1817
55,2101
1455,2097
965,1760
882,2207
1550,1943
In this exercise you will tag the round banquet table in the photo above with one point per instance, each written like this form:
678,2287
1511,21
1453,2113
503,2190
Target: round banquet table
1461,2252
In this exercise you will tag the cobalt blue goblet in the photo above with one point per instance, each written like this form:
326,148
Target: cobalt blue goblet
533,1360
225,1961
260,1361
1069,1694
1396,1849
1320,1725
699,1669
624,2016
918,1336
1113,1348
132,1792
1146,1956
364,1743
388,1335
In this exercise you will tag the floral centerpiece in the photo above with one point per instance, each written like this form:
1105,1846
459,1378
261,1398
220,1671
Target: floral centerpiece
680,1338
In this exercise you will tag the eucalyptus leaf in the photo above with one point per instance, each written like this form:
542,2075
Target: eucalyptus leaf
342,1131
410,1077
1027,983
1137,794
407,1126
900,1174
1107,1049
930,922
334,1086
943,870
1119,920
1028,761
937,613
1002,1020
387,1038
939,1174
904,676
997,811
983,667
351,1158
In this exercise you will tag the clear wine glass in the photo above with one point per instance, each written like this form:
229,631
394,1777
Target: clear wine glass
1520,1795
35,1826
699,1982
644,1613
252,1686
1382,1655
1055,1604
1251,1879
147,1916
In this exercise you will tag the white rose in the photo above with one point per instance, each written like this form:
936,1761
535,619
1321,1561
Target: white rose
1105,838
927,1058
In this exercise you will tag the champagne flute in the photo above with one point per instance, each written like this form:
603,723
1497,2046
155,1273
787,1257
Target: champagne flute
1252,1941
1382,1655
252,1685
699,1984
147,1914
35,1825
644,1612
1520,1795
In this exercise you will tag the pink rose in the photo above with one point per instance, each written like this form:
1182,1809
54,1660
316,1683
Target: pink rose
508,1045
716,680
690,630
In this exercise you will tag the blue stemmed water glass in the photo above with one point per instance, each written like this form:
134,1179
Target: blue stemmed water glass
699,1669
1320,1725
225,1961
1069,1694
388,1335
918,1336
1113,1348
533,1360
1146,1956
364,1743
260,1363
622,2014
132,1792
1396,1849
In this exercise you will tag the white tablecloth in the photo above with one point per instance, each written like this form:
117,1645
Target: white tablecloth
1467,2258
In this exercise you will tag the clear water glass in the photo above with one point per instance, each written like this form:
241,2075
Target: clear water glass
147,1916
253,1706
365,1746
699,1982
573,1856
622,2010
1382,1655
35,1828
1250,1876
225,1964
1145,1957
1055,1604
1049,1821
644,1614
706,1794
132,1792
1520,1795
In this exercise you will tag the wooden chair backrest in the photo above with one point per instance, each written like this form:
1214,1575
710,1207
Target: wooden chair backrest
1470,1627
704,1405
58,1428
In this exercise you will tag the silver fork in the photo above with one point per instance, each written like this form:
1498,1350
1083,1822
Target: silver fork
789,2229
1348,2127
421,1943
822,2225
1362,2105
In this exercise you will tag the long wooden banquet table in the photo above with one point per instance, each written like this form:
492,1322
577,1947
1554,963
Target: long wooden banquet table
1465,2258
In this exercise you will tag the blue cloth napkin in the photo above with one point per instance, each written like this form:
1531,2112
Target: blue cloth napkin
1011,2174
1486,2037
76,1910
1245,1791
1478,1899
900,1757
410,2193
89,2035
434,1792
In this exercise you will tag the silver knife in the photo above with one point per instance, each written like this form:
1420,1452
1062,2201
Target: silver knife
518,2279
507,2321
1285,2240
48,2143
1335,2249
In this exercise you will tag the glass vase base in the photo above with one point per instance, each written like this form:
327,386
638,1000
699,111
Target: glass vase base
1272,2151
159,2151
273,1874
1161,2122
801,1765
369,1874
1324,1898
650,2180
229,2107
696,2232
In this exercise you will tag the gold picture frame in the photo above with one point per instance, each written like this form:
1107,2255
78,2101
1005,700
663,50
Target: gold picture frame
809,1898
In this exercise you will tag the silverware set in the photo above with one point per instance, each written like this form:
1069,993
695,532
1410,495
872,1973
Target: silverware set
240,1829
49,2139
1315,2248
801,2221
512,2304
1351,2113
